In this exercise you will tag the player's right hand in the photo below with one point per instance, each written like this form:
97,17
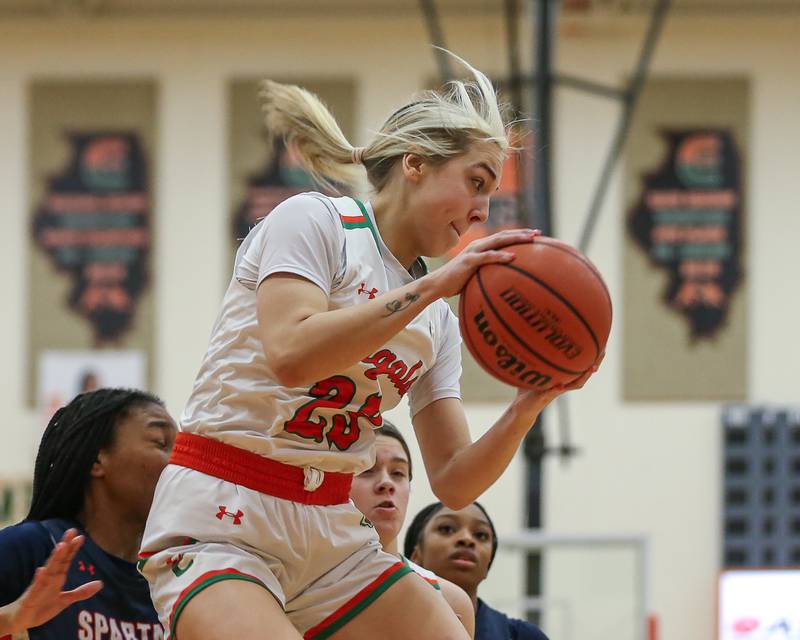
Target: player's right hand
451,278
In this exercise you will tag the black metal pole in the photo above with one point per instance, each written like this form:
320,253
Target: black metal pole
436,35
624,123
514,66
543,14
515,87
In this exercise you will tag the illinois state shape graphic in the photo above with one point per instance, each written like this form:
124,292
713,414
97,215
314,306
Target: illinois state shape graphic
688,221
94,225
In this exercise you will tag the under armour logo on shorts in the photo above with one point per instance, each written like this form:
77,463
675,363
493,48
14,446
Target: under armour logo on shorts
237,517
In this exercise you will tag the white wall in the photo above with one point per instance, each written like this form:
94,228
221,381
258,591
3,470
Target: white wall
655,468
644,468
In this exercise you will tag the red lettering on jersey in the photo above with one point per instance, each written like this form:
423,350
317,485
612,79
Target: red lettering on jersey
335,392
384,362
345,430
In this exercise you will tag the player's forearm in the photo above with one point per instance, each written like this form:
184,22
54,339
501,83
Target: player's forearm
476,467
327,343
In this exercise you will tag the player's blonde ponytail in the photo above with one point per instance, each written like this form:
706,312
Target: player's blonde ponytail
437,125
304,121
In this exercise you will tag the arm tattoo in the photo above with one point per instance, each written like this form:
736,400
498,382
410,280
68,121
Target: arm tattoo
398,305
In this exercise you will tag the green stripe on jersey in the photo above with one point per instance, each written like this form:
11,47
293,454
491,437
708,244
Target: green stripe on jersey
366,224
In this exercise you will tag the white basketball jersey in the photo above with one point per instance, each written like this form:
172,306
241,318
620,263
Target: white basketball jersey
333,242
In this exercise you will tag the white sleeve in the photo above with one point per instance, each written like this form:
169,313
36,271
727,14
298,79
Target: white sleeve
442,379
302,235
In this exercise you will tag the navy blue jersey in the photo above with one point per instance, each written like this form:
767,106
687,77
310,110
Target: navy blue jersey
490,624
122,610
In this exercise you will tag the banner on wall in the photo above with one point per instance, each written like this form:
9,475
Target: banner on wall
265,171
64,374
282,177
94,225
688,222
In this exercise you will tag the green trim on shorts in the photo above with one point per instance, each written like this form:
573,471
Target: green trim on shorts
196,587
338,621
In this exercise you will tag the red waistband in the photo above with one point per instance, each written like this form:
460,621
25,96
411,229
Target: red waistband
285,481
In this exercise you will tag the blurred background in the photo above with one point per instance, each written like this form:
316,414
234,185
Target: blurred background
133,159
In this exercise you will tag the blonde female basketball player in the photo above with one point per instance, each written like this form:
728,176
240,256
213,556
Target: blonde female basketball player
331,317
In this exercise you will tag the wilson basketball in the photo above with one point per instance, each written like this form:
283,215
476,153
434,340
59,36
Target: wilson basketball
540,320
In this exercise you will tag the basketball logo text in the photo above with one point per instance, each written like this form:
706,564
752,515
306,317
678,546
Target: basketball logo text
505,359
542,321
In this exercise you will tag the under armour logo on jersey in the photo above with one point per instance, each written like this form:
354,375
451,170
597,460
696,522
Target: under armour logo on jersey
237,517
370,292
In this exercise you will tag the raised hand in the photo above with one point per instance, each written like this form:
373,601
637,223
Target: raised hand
44,598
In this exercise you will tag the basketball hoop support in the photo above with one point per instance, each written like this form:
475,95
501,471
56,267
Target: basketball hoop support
532,539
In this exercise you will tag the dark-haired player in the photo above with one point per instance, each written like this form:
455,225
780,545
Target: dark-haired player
97,466
460,545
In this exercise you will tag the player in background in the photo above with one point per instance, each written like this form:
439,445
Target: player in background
96,470
460,545
381,493
330,318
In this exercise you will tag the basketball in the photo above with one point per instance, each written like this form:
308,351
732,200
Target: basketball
540,320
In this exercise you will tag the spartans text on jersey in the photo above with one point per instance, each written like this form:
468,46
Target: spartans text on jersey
93,625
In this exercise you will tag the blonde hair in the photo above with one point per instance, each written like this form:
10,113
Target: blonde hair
437,125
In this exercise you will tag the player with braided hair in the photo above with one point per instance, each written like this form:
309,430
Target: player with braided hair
96,470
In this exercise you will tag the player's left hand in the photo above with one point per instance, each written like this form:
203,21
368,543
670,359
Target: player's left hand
534,401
